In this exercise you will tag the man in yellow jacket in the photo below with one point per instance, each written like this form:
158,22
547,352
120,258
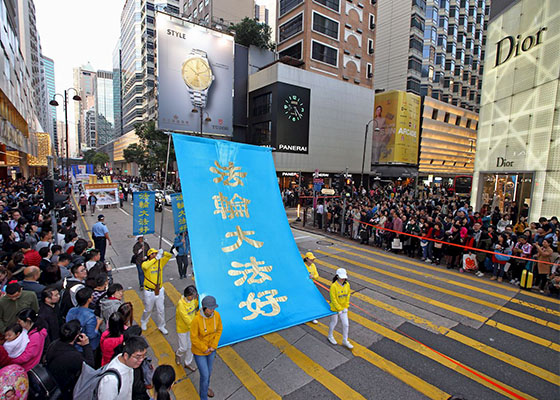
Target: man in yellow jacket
206,329
186,310
153,279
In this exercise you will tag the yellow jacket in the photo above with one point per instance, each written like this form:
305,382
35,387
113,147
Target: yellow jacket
205,332
312,269
150,268
184,314
340,296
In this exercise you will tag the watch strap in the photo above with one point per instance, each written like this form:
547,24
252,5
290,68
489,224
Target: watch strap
198,52
198,98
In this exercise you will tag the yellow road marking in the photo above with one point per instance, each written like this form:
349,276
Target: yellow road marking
249,378
477,376
472,278
488,350
183,389
83,219
513,331
453,293
311,368
390,367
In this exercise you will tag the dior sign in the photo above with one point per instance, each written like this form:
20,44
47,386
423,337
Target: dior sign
512,47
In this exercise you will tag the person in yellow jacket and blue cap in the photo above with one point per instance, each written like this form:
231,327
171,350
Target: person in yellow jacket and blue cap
340,301
184,315
153,290
308,259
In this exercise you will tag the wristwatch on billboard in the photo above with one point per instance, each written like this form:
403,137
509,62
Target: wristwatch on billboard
198,76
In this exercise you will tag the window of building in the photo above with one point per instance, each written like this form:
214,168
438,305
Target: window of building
446,118
442,41
290,28
369,71
370,46
195,13
415,64
294,51
458,121
190,2
262,133
434,113
417,21
325,25
456,87
206,2
324,53
464,91
413,85
262,104
200,7
449,65
332,4
371,22
416,43
287,5
207,19
469,121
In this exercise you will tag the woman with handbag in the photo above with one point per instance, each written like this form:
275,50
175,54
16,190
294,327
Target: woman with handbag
500,260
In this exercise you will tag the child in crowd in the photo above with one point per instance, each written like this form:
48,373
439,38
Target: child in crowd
16,340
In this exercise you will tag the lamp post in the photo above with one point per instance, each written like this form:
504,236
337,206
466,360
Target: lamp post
202,119
54,103
376,129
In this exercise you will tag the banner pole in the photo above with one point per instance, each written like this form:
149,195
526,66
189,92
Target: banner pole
163,213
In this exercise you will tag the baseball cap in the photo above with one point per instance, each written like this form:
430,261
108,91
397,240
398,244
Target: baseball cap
100,217
341,273
152,251
310,256
209,302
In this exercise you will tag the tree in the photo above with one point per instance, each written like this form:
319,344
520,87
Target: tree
250,32
89,155
151,151
100,159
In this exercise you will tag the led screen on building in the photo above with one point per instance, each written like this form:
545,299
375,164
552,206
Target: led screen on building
396,124
195,77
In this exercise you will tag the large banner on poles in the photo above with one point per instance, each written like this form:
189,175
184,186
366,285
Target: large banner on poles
107,193
243,250
179,218
143,213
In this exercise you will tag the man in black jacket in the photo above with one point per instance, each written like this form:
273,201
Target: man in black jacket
49,311
64,361
79,275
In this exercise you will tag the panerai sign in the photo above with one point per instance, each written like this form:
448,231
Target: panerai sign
512,47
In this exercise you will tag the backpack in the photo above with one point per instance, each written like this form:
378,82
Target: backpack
88,383
41,384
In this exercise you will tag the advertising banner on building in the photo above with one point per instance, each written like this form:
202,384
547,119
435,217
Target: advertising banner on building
179,218
195,77
396,128
243,250
292,128
144,213
107,193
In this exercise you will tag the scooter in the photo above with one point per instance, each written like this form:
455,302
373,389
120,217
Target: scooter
159,204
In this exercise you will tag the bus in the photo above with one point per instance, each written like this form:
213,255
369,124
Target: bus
462,185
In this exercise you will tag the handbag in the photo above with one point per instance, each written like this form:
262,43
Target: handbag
469,262
503,256
438,245
41,384
396,245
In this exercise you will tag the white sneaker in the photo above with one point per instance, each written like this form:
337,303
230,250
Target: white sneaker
315,321
512,281
428,260
144,325
332,340
163,330
348,344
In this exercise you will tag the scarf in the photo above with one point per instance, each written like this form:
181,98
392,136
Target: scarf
16,347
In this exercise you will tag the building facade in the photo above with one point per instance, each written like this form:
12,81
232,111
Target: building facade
104,108
333,37
517,163
48,66
217,14
117,90
433,48
84,83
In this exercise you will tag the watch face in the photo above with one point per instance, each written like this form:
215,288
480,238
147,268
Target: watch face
196,73
294,108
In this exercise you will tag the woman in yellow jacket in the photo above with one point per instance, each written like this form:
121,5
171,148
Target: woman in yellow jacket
206,329
340,300
184,314
308,259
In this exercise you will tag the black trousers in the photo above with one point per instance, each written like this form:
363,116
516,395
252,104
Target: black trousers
100,243
182,264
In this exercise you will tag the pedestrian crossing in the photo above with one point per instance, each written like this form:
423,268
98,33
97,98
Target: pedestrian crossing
422,342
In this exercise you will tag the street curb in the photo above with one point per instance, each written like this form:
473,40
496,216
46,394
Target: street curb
83,225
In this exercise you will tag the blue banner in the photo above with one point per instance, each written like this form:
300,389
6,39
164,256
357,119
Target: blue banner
144,213
179,217
242,248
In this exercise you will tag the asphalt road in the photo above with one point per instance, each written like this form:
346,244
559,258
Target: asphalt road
419,331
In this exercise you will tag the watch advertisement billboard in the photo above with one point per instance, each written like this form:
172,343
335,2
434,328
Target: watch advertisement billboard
396,127
194,72
292,127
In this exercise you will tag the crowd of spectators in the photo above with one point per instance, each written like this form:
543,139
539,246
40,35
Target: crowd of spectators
439,228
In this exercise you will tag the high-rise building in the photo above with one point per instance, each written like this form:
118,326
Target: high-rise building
217,13
262,14
104,111
117,90
432,48
48,65
84,82
331,37
265,12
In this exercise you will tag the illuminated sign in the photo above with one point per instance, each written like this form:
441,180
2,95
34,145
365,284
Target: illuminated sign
516,45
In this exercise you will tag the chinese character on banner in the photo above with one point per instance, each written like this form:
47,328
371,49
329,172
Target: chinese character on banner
252,270
256,305
236,207
241,237
230,175
143,219
179,217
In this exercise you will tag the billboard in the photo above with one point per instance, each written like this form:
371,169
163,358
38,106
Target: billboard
396,127
194,72
292,129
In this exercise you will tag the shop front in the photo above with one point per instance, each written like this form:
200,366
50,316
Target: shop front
507,191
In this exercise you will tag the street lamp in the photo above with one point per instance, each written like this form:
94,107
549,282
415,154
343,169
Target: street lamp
376,129
54,103
202,114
